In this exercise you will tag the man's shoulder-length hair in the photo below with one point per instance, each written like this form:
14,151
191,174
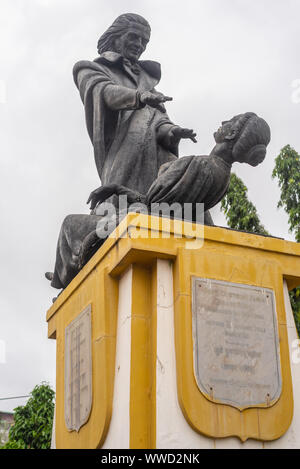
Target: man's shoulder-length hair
119,27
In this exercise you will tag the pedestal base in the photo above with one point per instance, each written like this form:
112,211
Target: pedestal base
141,382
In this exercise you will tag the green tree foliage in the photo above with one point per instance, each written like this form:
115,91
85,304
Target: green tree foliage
33,422
242,215
287,171
240,212
295,302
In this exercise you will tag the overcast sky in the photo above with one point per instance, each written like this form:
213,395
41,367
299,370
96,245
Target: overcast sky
219,58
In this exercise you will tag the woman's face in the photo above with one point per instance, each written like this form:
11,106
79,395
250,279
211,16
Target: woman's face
226,130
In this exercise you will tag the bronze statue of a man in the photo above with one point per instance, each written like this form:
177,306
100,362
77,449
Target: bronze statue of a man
135,145
126,119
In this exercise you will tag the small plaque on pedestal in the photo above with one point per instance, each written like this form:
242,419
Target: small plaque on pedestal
78,371
236,344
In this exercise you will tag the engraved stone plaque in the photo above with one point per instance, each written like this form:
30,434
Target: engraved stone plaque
236,344
78,371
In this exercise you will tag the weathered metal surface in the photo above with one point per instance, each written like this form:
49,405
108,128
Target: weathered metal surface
78,371
236,344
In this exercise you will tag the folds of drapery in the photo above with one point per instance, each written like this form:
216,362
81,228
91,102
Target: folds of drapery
91,81
191,179
130,141
187,180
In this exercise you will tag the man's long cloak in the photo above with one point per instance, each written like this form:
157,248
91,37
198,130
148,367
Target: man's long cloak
131,141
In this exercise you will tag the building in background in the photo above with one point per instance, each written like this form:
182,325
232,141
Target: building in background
6,421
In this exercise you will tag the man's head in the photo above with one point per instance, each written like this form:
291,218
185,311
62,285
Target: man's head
128,35
248,136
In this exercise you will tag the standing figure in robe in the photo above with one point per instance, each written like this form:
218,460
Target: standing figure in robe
127,122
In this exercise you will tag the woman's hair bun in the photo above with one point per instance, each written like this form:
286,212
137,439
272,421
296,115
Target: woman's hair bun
251,144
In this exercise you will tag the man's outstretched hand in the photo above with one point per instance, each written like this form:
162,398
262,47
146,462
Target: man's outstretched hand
177,133
155,100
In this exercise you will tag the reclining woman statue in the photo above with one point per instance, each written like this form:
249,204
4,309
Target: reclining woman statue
201,179
190,179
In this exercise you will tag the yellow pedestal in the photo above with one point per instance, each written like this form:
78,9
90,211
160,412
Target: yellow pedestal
138,288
